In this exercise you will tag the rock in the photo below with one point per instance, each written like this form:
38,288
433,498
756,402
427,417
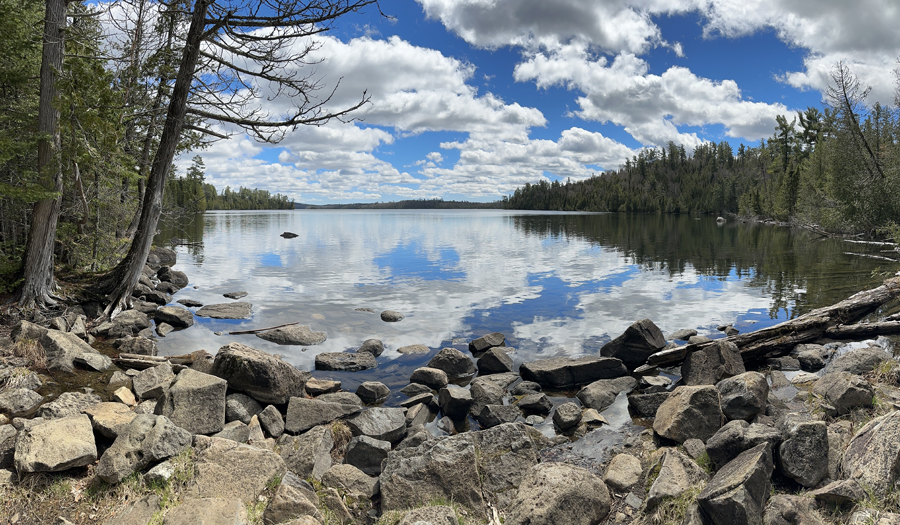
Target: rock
859,361
623,472
344,362
240,407
695,447
677,474
227,469
454,363
646,405
839,435
567,416
289,235
415,389
347,398
786,363
27,331
535,404
18,402
435,515
207,511
712,364
698,339
689,412
390,316
161,256
783,509
840,492
652,384
371,346
146,440
495,361
351,479
557,493
235,295
119,379
812,357
195,402
485,342
873,454
137,345
431,377
737,436
68,404
386,424
493,415
743,396
367,454
308,455
167,274
177,317
123,395
139,512
8,435
190,303
373,392
258,374
19,377
566,372
56,445
639,341
592,418
238,310
525,388
63,350
803,455
154,381
683,335
110,419
316,387
304,414
130,322
293,335
413,350
294,500
600,394
845,391
272,421
738,492
455,402
417,415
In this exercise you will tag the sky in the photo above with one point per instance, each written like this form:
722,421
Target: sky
470,99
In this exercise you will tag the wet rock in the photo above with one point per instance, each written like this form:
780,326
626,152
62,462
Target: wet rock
493,415
600,394
350,479
240,407
56,445
567,416
646,405
68,404
260,375
812,357
195,402
390,316
525,388
639,341
227,469
238,310
554,493
373,392
317,387
415,389
386,424
454,363
301,335
18,402
783,509
858,361
433,378
683,335
743,396
367,454
845,391
455,402
623,472
677,474
567,372
803,455
535,404
689,412
167,274
304,414
235,295
308,455
289,235
110,419
154,381
371,346
712,364
485,342
147,439
873,454
63,350
495,361
738,492
413,350
190,303
272,421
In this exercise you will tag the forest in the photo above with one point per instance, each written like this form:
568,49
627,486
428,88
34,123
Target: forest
836,169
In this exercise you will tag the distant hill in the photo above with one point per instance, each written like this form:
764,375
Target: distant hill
420,204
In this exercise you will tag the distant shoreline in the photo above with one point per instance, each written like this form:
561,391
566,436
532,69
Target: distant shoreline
434,204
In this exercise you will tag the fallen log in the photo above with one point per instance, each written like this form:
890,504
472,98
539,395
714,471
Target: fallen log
142,362
863,330
783,337
257,330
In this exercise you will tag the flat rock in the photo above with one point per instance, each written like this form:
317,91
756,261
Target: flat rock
190,303
308,455
317,387
139,512
567,372
413,350
301,335
175,316
110,419
434,515
195,402
345,362
493,415
415,389
347,398
481,344
147,439
56,445
535,404
304,414
136,345
600,394
226,469
68,404
639,341
559,493
239,310
683,335
858,361
386,424
258,374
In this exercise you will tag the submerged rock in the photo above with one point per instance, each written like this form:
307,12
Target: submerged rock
239,310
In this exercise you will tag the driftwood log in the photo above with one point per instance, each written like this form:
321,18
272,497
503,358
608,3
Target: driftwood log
830,321
142,362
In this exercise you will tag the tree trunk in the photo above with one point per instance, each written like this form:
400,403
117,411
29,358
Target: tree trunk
125,276
39,282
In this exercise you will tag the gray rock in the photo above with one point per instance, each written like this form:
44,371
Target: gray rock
417,415
372,392
138,512
803,455
347,398
646,405
63,350
119,379
154,381
235,295
567,416
190,303
435,515
235,431
712,364
677,474
161,256
683,335
743,396
240,407
738,436
525,388
639,341
27,331
600,394
557,493
227,469
137,345
415,389
239,310
110,419
738,492
413,350
812,357
56,445
130,322
316,387
698,339
840,492
371,346
566,372
535,404
695,448
367,454
454,363
390,316
304,414
485,342
433,378
689,412
493,415
258,374
623,472
845,391
495,361
68,404
839,435
859,361
19,377
308,455
146,440
8,435
783,509
386,424
873,454
301,335
272,421
345,362
211,511
786,363
167,274
455,402
297,502
195,402
175,316
484,392
652,384
18,402
351,479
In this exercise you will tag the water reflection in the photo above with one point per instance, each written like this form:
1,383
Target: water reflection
554,283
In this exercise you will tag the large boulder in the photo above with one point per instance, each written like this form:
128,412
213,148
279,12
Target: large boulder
195,402
64,350
559,494
367,454
68,404
175,316
345,362
308,455
677,474
238,310
874,454
56,445
17,402
639,341
712,364
689,412
858,361
304,414
258,374
386,424
803,455
454,363
567,372
739,490
301,335
227,469
146,440
743,396
600,394
154,381
845,391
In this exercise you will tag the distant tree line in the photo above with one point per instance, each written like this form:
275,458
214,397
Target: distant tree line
837,169
417,204
192,194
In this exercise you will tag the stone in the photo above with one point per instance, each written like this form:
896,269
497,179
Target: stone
154,381
139,512
164,329
260,375
592,418
434,515
347,398
623,472
161,256
241,407
413,350
175,316
19,377
839,435
195,402
68,404
386,424
689,412
235,295
600,394
535,404
485,342
235,431
525,387
8,435
238,310
455,402
316,387
677,474
207,511
737,436
739,490
167,274
558,493
137,345
712,364
119,379
371,346
63,350
743,396
567,416
27,331
367,454
296,502
682,335
301,335
840,492
639,341
227,469
417,415
786,363
566,372
304,414
783,509
646,405
454,363
495,361
845,391
123,395
146,440
812,357
272,421
698,339
493,415
651,384
345,362
415,389
190,303
803,455
874,453
56,445
309,454
131,321
18,402
858,361
110,419
431,377
390,316
372,392
695,447
351,479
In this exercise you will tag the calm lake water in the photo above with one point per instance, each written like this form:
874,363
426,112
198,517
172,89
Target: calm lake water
554,283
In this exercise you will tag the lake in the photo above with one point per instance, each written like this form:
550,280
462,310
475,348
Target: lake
553,283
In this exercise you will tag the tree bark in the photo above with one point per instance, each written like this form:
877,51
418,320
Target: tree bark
39,282
126,274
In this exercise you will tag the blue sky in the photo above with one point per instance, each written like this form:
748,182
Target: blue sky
472,98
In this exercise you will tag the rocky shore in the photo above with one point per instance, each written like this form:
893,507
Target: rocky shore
120,435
